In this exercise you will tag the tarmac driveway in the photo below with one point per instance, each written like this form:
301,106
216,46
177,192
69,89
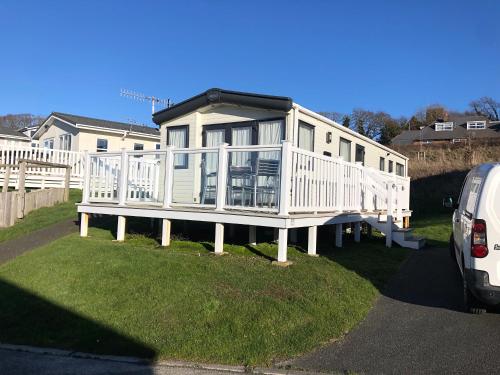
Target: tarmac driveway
417,326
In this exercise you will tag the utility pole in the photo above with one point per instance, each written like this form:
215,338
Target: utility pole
142,98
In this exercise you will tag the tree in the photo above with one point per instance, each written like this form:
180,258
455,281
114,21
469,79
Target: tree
19,121
346,121
334,116
434,113
487,107
390,128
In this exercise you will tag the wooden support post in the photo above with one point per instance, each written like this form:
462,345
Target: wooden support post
219,238
84,224
338,235
252,235
6,179
312,236
120,232
282,245
166,226
357,231
22,190
67,179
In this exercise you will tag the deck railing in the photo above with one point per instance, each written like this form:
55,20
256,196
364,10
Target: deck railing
279,179
37,177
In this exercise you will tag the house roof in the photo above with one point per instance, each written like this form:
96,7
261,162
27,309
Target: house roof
459,131
11,133
220,96
79,121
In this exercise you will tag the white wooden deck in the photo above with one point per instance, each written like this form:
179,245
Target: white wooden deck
278,186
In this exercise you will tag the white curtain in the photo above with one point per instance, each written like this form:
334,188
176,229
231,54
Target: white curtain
241,137
214,138
345,150
177,138
306,137
270,133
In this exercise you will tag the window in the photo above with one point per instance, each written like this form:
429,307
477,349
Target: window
138,147
400,169
102,145
306,136
476,125
360,154
443,126
158,146
49,143
178,137
391,166
65,142
326,153
382,164
345,149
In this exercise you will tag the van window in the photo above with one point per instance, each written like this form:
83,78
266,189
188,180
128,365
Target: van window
473,194
464,196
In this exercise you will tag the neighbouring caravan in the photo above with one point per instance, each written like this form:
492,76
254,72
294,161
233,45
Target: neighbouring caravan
240,119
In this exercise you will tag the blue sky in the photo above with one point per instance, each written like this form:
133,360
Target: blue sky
395,56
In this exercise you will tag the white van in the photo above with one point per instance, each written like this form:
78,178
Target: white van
475,241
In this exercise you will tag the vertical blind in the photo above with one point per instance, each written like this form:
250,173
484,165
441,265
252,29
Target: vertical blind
214,138
270,133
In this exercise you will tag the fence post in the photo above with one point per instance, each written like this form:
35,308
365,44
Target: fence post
67,179
22,189
123,178
168,180
221,177
285,177
86,180
6,179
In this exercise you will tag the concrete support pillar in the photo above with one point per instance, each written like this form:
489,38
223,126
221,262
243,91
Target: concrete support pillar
312,236
84,224
357,231
219,238
252,235
338,235
282,244
120,232
166,227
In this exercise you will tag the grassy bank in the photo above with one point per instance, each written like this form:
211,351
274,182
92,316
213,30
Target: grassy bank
134,298
43,217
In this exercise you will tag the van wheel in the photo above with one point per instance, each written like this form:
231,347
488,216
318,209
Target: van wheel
471,303
451,247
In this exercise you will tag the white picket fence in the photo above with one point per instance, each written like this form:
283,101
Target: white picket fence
307,182
42,177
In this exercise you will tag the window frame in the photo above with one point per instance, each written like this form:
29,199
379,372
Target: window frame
344,140
306,124
402,167
48,140
356,153
476,122
141,146
61,141
101,149
381,164
444,126
185,158
390,167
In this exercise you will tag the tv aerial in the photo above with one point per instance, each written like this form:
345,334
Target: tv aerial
165,103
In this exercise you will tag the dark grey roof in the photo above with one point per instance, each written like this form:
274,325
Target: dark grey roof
215,96
83,120
459,131
12,132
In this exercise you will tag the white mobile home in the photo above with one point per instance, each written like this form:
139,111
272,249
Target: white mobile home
62,131
257,160
13,137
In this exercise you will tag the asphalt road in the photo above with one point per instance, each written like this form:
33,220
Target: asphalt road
417,326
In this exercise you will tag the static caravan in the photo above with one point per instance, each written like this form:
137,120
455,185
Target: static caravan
219,116
229,158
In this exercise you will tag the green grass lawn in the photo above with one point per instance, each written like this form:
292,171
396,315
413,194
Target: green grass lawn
135,298
43,217
436,229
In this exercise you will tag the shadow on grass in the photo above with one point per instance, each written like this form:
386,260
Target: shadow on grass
27,319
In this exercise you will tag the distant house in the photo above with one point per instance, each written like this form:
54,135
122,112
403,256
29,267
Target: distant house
78,133
13,137
454,130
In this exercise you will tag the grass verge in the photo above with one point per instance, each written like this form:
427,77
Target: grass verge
134,298
436,229
43,217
